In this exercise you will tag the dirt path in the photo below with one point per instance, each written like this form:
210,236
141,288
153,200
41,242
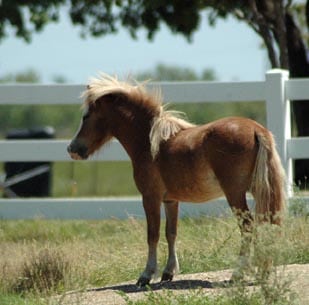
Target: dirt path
210,282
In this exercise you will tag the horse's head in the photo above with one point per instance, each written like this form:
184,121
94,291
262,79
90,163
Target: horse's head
93,132
110,106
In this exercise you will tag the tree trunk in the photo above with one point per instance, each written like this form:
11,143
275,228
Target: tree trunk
299,67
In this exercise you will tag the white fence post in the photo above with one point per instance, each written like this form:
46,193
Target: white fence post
279,119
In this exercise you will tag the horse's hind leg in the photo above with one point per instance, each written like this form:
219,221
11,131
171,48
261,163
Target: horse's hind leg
171,212
239,206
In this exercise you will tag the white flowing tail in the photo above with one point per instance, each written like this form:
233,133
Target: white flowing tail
268,181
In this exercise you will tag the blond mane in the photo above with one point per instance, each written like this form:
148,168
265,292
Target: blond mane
106,84
165,124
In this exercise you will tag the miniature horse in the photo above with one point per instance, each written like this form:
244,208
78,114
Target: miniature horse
174,161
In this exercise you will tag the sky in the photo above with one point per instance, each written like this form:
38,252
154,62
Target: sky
230,48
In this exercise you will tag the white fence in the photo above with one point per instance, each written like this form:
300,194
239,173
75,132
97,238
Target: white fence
277,90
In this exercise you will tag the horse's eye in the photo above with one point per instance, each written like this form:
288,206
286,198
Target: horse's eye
86,116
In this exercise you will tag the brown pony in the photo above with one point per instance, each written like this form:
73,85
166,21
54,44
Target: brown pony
174,161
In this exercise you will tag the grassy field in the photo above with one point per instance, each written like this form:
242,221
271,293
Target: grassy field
41,258
86,179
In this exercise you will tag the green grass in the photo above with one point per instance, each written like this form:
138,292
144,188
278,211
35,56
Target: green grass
13,299
236,296
99,253
91,179
78,179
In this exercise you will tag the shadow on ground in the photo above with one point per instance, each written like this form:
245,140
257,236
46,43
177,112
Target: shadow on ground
173,285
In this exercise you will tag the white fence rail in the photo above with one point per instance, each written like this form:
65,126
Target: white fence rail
277,90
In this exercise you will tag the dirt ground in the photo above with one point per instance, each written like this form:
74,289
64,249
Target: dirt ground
209,282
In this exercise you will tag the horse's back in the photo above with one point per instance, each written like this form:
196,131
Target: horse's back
208,158
232,135
231,148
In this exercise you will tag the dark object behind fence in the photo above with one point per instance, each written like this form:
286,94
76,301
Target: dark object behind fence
39,185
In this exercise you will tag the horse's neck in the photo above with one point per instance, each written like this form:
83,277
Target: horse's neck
133,134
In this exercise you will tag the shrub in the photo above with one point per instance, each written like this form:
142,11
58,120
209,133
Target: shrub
43,272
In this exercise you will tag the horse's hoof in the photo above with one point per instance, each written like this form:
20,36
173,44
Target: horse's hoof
143,281
237,277
167,277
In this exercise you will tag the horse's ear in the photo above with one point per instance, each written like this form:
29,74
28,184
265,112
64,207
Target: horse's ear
114,96
109,98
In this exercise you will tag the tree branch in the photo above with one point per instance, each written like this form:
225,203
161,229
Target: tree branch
280,34
238,14
263,30
307,13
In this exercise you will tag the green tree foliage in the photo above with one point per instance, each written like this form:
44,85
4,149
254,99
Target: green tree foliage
27,76
30,116
268,18
65,119
203,112
279,23
18,116
26,17
163,72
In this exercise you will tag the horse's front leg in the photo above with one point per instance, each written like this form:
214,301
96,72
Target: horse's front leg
171,212
152,211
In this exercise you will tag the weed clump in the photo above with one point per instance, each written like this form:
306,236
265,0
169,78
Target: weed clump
43,272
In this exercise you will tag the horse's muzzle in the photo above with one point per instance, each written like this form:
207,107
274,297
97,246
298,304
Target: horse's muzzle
77,151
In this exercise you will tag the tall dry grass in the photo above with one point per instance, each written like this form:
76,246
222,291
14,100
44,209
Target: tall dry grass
71,255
